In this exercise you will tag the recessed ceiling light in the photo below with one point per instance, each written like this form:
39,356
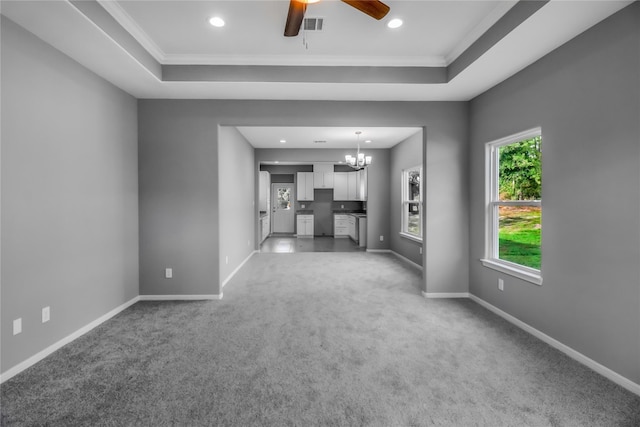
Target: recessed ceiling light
395,23
368,141
276,162
216,21
283,141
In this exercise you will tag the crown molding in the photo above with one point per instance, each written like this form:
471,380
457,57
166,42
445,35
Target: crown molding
130,25
304,60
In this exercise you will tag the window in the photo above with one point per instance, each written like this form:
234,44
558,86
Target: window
412,203
514,205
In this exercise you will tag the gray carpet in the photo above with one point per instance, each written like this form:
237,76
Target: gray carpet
309,339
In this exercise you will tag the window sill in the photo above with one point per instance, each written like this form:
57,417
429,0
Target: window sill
513,270
411,237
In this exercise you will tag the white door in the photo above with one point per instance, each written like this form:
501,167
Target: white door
282,208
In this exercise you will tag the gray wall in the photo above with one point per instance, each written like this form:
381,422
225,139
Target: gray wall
178,145
446,169
405,155
69,195
179,210
585,97
237,208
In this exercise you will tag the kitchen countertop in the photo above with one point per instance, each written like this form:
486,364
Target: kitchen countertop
357,213
304,212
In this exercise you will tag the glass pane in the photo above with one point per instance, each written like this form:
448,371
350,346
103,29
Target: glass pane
520,170
413,219
284,198
414,185
520,235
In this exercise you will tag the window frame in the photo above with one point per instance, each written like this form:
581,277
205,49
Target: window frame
492,203
406,202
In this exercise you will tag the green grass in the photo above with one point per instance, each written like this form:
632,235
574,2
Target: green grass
414,225
520,235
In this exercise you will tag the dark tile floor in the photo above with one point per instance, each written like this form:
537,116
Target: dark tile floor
289,244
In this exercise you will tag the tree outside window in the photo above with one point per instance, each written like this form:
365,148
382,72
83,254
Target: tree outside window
514,220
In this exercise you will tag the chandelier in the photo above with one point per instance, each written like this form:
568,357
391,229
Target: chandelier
358,161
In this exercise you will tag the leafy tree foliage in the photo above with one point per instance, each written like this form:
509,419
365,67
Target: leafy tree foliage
414,185
521,170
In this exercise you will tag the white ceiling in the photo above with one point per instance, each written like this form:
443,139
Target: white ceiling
129,42
433,32
325,137
177,32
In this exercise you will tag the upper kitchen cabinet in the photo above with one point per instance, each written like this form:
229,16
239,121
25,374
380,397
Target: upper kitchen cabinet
362,184
264,183
323,176
340,186
350,185
305,186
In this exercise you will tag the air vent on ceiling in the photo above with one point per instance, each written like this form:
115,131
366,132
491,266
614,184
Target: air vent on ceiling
313,24
319,141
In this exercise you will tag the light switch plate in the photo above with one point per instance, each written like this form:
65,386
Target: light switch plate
46,314
168,273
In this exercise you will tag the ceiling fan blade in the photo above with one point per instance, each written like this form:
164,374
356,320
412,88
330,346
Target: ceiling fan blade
374,8
294,18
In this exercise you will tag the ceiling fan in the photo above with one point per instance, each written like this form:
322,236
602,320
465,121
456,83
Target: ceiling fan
374,8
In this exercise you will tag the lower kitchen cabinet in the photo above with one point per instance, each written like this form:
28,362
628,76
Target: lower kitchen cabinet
353,230
304,225
340,225
265,227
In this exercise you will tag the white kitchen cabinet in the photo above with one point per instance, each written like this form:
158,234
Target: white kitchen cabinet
352,186
304,225
348,185
352,228
264,186
340,225
341,186
323,180
323,175
265,227
305,186
362,184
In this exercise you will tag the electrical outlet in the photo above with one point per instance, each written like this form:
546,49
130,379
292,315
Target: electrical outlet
226,259
17,326
420,250
168,273
46,314
382,238
302,206
341,206
501,284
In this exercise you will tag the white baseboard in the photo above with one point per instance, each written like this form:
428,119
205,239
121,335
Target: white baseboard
445,294
10,373
601,369
407,260
380,251
233,273
180,297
